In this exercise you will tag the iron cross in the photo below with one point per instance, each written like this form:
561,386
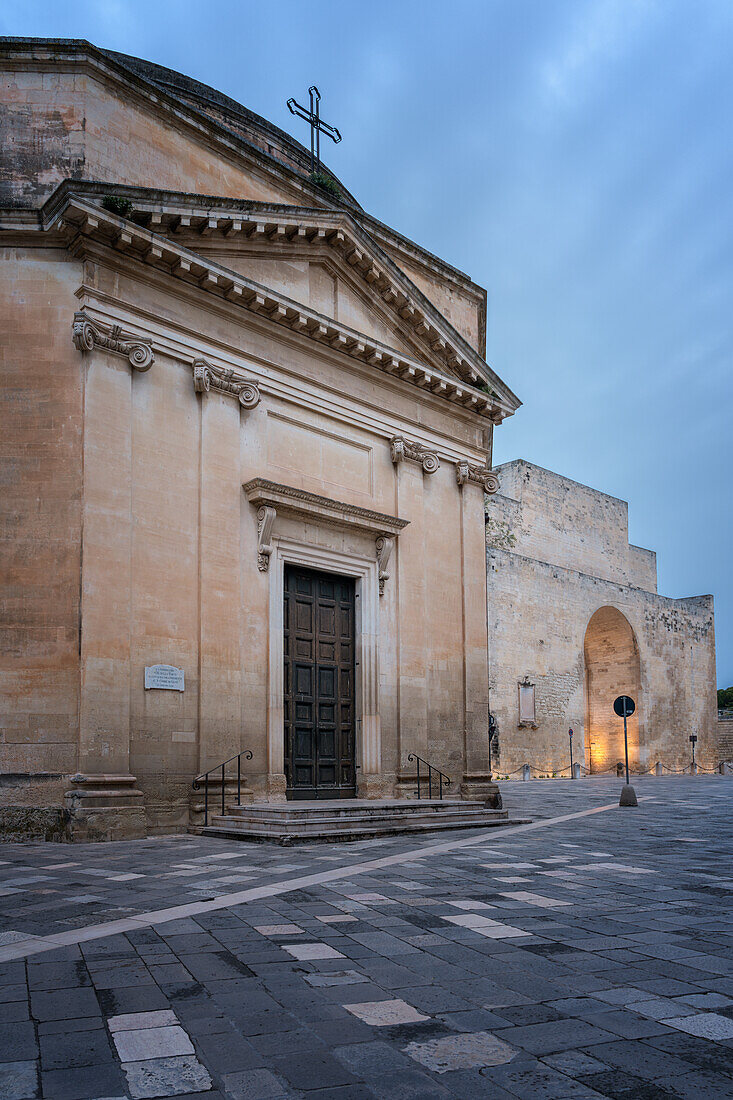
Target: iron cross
317,125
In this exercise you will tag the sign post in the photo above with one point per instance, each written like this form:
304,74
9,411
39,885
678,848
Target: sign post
572,770
624,707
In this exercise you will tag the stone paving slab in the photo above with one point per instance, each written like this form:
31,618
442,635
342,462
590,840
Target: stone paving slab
384,981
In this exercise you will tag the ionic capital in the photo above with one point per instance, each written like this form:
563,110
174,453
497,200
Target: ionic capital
401,448
465,472
206,377
88,334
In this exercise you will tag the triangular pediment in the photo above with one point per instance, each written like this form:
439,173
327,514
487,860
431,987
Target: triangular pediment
275,230
409,337
321,280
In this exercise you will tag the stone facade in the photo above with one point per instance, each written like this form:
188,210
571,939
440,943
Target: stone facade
725,739
198,392
574,614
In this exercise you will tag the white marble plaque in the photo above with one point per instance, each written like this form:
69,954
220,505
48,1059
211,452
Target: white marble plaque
167,677
526,703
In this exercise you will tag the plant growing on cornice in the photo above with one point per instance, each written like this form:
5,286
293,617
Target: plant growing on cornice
322,180
122,207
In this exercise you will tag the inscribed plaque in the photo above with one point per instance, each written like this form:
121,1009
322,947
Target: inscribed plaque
167,677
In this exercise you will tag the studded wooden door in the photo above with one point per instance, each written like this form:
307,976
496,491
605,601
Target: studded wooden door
319,684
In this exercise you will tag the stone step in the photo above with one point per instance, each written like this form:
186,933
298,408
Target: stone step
300,822
337,823
347,809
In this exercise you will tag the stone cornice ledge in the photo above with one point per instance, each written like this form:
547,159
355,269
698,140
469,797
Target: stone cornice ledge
287,500
84,220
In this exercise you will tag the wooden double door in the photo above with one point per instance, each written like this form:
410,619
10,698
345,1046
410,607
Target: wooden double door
319,684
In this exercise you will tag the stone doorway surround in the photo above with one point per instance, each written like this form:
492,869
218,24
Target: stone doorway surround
278,548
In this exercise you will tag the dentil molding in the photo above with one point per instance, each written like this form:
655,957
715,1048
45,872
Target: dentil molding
206,377
401,448
88,334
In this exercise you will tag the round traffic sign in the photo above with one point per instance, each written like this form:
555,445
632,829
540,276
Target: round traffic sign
624,706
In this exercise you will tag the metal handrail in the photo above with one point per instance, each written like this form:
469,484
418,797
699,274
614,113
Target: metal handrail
441,775
247,754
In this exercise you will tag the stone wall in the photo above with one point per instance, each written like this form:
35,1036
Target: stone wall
557,554
41,412
725,739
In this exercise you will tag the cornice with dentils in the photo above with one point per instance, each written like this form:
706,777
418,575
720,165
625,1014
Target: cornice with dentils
80,219
183,215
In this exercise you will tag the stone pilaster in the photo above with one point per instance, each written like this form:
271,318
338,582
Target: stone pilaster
103,801
476,782
413,627
220,717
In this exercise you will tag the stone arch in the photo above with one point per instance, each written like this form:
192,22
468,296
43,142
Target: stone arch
612,668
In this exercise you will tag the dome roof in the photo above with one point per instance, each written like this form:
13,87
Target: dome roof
237,119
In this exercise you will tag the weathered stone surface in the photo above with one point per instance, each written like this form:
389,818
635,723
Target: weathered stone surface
35,823
166,1077
574,609
461,1052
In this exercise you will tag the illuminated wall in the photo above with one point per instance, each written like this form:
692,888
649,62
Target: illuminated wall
612,668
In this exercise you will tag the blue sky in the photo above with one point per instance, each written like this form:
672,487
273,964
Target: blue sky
575,158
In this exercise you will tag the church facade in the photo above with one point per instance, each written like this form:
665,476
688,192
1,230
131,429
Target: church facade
248,433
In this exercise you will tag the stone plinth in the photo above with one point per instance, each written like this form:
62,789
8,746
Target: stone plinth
481,788
105,807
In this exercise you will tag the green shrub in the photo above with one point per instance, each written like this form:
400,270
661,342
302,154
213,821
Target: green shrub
116,205
326,182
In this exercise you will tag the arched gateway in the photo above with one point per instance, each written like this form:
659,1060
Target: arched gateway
612,668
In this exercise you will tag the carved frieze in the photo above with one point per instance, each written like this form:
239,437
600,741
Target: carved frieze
206,377
401,448
385,546
466,471
88,334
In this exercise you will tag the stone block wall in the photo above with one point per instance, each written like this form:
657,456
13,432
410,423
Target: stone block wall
558,557
41,412
725,739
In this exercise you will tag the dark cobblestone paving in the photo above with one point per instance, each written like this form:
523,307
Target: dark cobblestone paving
586,958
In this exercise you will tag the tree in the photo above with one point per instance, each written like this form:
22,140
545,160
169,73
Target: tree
725,698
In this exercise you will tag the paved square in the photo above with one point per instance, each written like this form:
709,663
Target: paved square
386,1013
401,967
461,1052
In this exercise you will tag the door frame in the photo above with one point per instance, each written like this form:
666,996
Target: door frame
367,726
